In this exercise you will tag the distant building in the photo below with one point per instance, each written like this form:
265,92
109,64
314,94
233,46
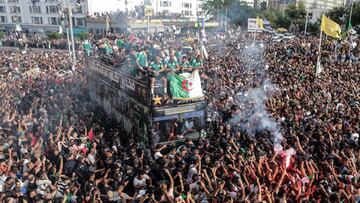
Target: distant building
250,3
188,8
38,15
314,7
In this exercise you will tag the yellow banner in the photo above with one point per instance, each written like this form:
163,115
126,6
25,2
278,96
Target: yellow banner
330,27
149,12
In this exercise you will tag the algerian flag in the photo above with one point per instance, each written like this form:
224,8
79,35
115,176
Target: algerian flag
185,86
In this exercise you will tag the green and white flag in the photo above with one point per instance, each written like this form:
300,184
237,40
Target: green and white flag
185,86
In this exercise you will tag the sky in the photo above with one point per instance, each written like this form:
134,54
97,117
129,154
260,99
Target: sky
111,5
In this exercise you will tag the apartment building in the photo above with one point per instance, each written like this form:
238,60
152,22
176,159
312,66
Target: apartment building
39,14
314,7
188,8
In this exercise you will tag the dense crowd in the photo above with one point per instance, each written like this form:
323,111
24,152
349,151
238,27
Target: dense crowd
57,146
38,41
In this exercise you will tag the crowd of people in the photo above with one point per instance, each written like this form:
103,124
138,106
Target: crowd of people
57,146
38,41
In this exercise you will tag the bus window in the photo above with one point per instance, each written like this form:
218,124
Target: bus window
173,130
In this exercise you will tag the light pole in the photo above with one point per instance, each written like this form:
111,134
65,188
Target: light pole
306,21
72,36
68,11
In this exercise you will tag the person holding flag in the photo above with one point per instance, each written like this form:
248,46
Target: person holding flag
142,57
331,29
171,65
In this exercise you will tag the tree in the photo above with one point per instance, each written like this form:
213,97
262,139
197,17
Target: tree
83,36
295,12
282,21
339,14
263,6
54,35
211,7
237,12
2,34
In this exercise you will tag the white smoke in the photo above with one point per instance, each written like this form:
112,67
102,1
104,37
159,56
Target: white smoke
253,116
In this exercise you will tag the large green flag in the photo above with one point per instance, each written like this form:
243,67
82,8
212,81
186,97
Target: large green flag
185,86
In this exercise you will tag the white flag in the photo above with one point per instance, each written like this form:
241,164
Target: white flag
318,69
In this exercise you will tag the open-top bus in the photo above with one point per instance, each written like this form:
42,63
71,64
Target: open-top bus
129,100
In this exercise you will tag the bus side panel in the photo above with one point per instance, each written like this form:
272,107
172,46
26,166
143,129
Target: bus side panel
133,117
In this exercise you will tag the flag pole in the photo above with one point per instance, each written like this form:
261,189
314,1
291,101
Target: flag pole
317,67
351,10
306,21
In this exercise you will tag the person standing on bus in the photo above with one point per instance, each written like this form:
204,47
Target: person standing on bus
171,65
142,58
134,66
198,64
185,65
156,70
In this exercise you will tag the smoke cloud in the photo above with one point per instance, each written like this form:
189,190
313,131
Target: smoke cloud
253,117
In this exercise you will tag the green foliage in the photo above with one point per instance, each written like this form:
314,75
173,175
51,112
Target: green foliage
237,12
295,12
313,28
83,36
355,18
282,21
341,15
263,6
2,34
54,35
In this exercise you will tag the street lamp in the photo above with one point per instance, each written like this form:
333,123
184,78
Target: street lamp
66,11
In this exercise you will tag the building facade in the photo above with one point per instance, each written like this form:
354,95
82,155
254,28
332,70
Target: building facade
314,7
35,15
187,8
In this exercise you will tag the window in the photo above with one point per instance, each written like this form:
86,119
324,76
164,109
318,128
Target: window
2,1
186,13
36,20
3,19
15,19
2,9
54,21
52,9
165,3
35,9
77,9
186,5
13,1
79,22
14,9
